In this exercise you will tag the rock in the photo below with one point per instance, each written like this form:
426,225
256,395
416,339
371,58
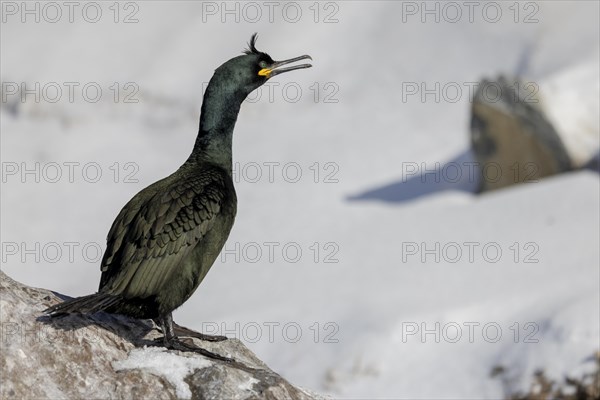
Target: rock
512,139
103,357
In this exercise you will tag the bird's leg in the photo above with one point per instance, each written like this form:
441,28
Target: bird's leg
166,323
183,331
172,342
179,331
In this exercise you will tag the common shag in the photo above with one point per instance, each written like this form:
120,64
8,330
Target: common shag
165,239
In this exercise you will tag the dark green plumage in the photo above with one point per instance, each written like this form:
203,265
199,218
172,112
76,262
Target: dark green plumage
166,238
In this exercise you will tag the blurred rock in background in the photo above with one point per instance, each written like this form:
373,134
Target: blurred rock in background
523,131
512,140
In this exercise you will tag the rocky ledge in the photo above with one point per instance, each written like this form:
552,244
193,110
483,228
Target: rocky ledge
107,356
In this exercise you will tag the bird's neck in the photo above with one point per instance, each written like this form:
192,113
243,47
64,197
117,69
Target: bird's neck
218,115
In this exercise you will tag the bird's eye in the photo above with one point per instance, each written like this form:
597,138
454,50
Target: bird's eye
262,64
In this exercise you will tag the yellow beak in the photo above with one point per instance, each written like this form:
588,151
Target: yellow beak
271,71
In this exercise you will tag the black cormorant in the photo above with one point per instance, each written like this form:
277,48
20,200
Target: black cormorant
166,238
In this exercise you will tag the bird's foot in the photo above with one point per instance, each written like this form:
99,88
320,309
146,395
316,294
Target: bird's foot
175,343
187,332
182,331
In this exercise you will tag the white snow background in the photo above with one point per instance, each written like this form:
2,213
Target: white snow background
356,314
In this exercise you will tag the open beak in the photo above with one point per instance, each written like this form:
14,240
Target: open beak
271,71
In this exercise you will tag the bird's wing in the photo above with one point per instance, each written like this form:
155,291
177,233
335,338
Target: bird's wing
150,238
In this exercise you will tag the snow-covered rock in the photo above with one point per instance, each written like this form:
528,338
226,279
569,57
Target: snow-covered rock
102,356
511,137
522,131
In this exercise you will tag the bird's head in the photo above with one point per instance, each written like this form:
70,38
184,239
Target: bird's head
231,83
253,68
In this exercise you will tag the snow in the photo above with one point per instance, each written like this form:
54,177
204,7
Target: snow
170,366
571,100
247,385
332,317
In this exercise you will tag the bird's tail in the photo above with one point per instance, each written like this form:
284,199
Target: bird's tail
84,305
